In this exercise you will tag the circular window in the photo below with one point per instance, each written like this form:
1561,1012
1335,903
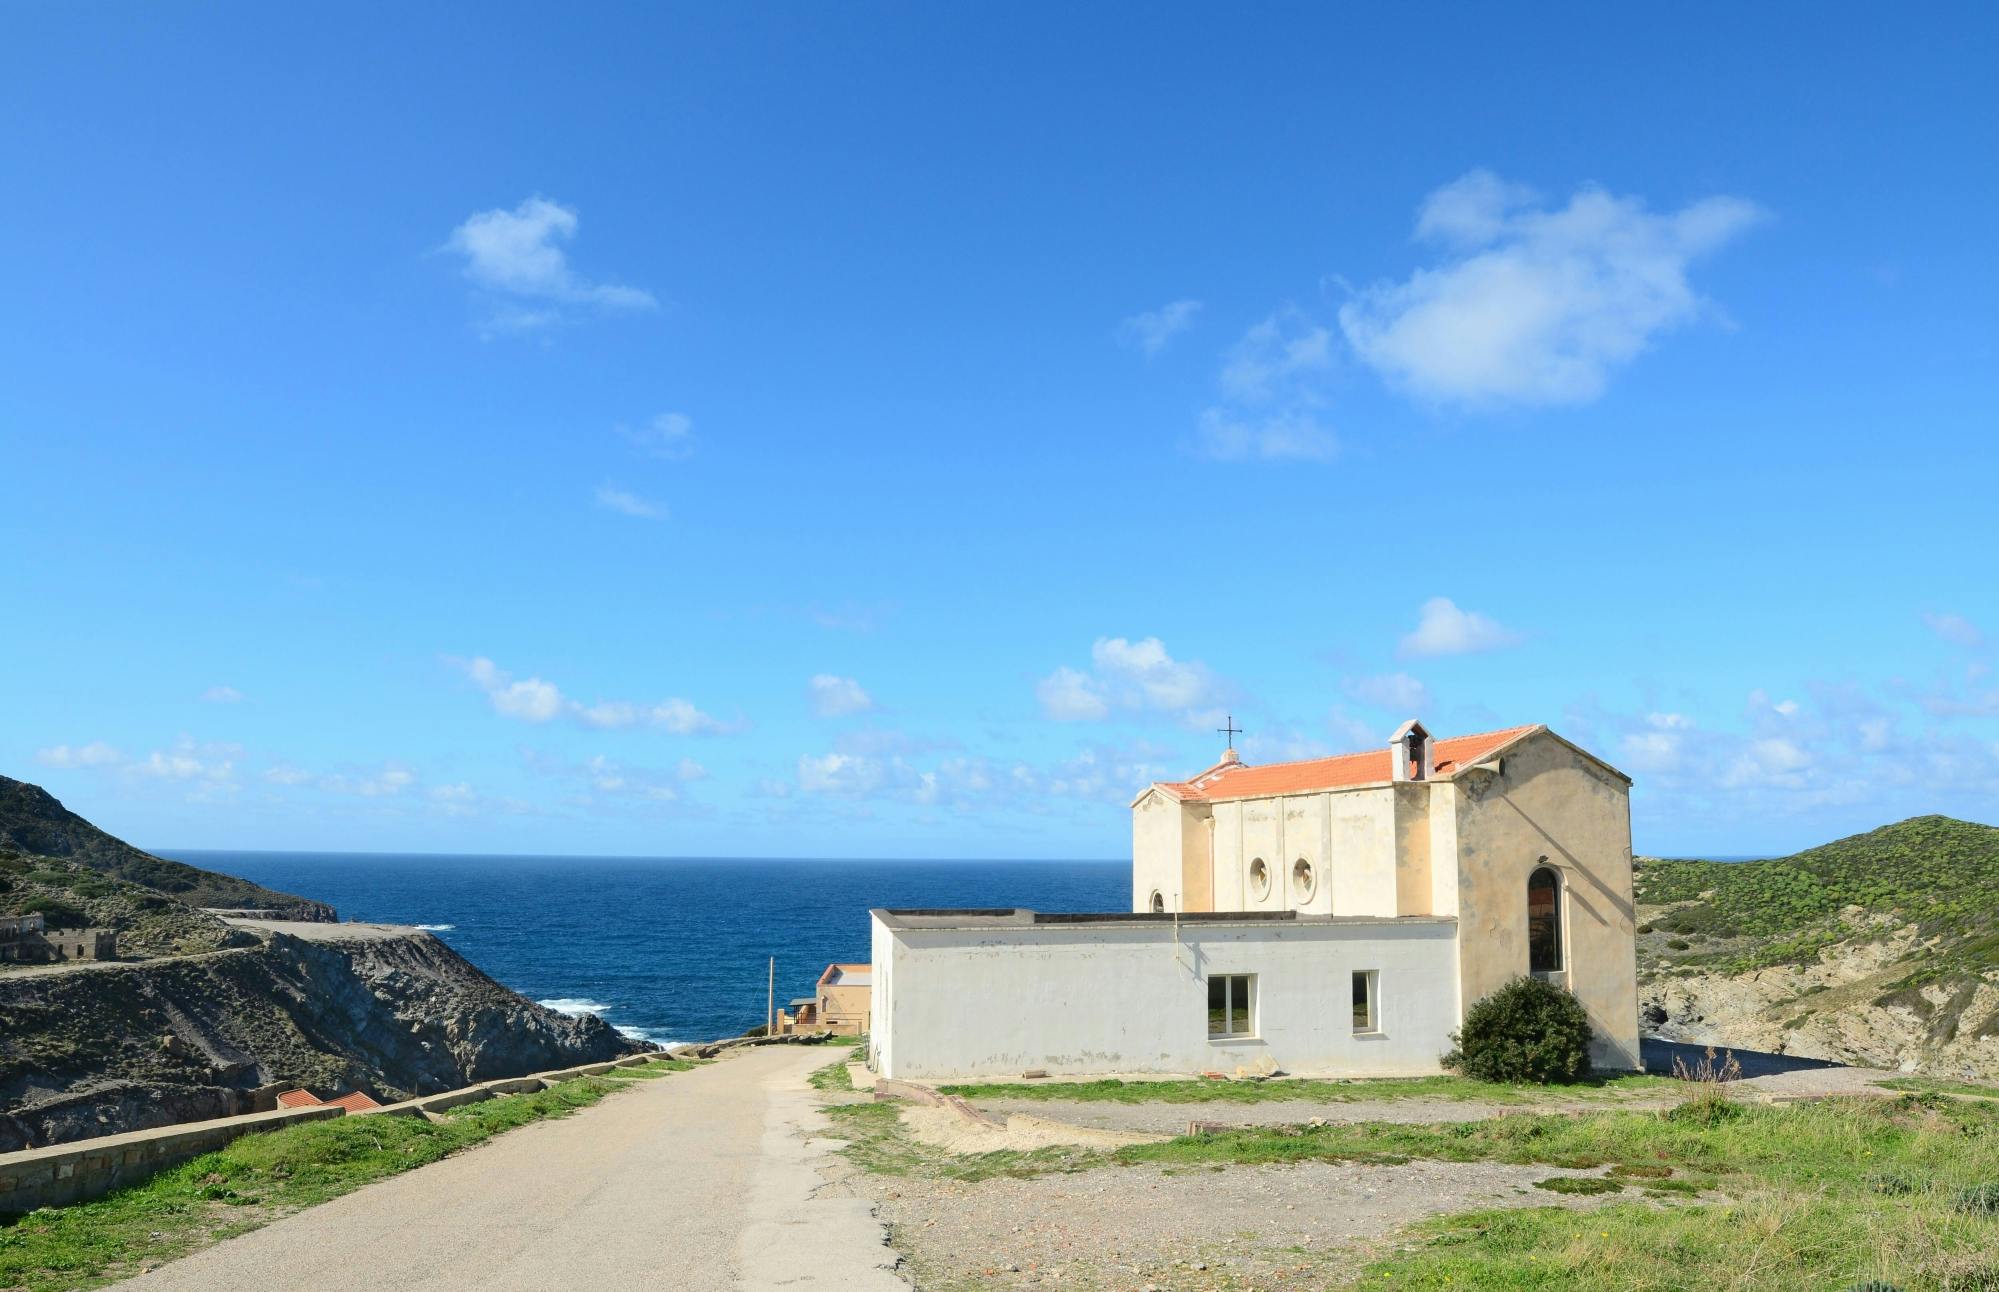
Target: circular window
1259,878
1303,881
1158,903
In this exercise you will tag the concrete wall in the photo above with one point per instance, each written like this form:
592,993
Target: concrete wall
53,1177
1550,806
1128,998
66,1173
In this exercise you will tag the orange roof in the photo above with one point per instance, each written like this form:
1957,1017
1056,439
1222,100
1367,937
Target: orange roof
354,1101
833,970
1232,780
298,1099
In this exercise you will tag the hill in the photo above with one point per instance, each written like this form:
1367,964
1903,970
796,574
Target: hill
1881,948
33,822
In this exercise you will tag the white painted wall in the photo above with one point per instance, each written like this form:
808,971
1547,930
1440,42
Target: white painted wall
1076,999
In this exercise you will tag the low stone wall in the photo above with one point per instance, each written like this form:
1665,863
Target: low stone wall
66,1173
52,1177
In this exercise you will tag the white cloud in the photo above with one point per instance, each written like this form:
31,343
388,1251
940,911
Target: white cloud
839,773
1774,759
222,695
1532,305
1275,356
534,700
1956,629
1153,329
188,760
1230,435
1067,695
1162,681
1272,403
94,754
1443,629
391,780
1659,747
1397,692
286,774
1132,675
833,697
1353,733
517,256
668,435
612,498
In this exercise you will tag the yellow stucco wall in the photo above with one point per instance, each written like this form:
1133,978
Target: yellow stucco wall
1549,806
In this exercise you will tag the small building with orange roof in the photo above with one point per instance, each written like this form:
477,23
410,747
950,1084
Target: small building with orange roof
1327,916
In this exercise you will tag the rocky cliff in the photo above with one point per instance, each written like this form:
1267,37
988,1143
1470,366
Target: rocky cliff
1881,950
91,1050
33,822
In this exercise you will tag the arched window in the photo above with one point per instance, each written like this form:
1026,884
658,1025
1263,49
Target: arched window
1544,921
1158,902
1259,878
1303,881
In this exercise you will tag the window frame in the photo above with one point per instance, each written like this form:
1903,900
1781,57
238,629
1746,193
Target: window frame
1372,980
1259,878
1248,1032
1555,915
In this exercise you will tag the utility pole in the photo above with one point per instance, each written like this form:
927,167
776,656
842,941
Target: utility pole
770,1005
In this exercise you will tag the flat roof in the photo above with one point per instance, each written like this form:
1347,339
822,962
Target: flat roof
1021,917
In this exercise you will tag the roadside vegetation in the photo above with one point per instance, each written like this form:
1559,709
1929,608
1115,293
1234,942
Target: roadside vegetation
261,1178
1606,1086
834,1078
1708,1193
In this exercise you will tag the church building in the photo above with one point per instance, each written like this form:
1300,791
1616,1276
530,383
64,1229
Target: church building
1329,917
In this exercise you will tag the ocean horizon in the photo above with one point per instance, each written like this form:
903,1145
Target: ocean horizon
665,949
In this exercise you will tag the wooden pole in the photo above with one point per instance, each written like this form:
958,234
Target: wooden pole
770,1006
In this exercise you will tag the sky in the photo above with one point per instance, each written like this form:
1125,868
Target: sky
908,430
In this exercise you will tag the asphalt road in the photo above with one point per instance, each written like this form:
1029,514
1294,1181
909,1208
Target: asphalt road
700,1180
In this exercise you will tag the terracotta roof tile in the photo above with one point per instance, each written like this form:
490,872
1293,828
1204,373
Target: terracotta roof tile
299,1099
1342,771
354,1101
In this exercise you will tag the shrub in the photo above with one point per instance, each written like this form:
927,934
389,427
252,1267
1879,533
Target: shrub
1979,1200
1678,944
56,914
1528,1030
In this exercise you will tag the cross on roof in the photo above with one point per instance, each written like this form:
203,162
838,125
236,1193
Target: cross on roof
1229,729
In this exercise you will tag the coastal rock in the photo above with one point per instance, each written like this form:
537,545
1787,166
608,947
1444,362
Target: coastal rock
125,1047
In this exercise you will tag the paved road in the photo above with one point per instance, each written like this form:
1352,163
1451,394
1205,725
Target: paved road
701,1180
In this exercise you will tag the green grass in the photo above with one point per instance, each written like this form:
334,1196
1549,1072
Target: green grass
834,1077
1937,873
1709,1194
1112,1090
1939,1086
261,1178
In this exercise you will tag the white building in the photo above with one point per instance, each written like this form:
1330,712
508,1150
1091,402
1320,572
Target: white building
1328,917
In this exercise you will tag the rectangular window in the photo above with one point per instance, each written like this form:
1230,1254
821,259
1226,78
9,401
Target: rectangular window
1229,1004
1366,1015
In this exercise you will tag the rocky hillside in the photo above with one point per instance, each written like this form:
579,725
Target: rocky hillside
96,1050
34,823
1881,949
71,895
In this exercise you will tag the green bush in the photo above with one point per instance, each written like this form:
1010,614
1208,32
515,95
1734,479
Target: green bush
56,914
1528,1030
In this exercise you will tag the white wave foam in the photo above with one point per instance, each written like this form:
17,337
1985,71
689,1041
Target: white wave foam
653,1034
576,1006
437,928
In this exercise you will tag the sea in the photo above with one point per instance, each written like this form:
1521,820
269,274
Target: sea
665,949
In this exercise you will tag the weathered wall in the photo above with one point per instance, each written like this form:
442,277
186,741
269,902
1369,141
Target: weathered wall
1130,998
1551,806
1156,851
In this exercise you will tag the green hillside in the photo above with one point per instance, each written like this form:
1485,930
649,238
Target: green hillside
34,823
1935,873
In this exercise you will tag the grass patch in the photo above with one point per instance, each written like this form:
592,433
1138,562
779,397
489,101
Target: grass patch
1111,1090
1939,1086
261,1178
834,1077
877,1142
1582,1185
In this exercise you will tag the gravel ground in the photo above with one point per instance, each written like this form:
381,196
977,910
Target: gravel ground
1268,1227
1172,1119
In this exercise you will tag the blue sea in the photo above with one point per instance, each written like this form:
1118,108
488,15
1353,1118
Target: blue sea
664,949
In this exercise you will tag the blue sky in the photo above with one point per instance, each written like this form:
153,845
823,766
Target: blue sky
905,430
